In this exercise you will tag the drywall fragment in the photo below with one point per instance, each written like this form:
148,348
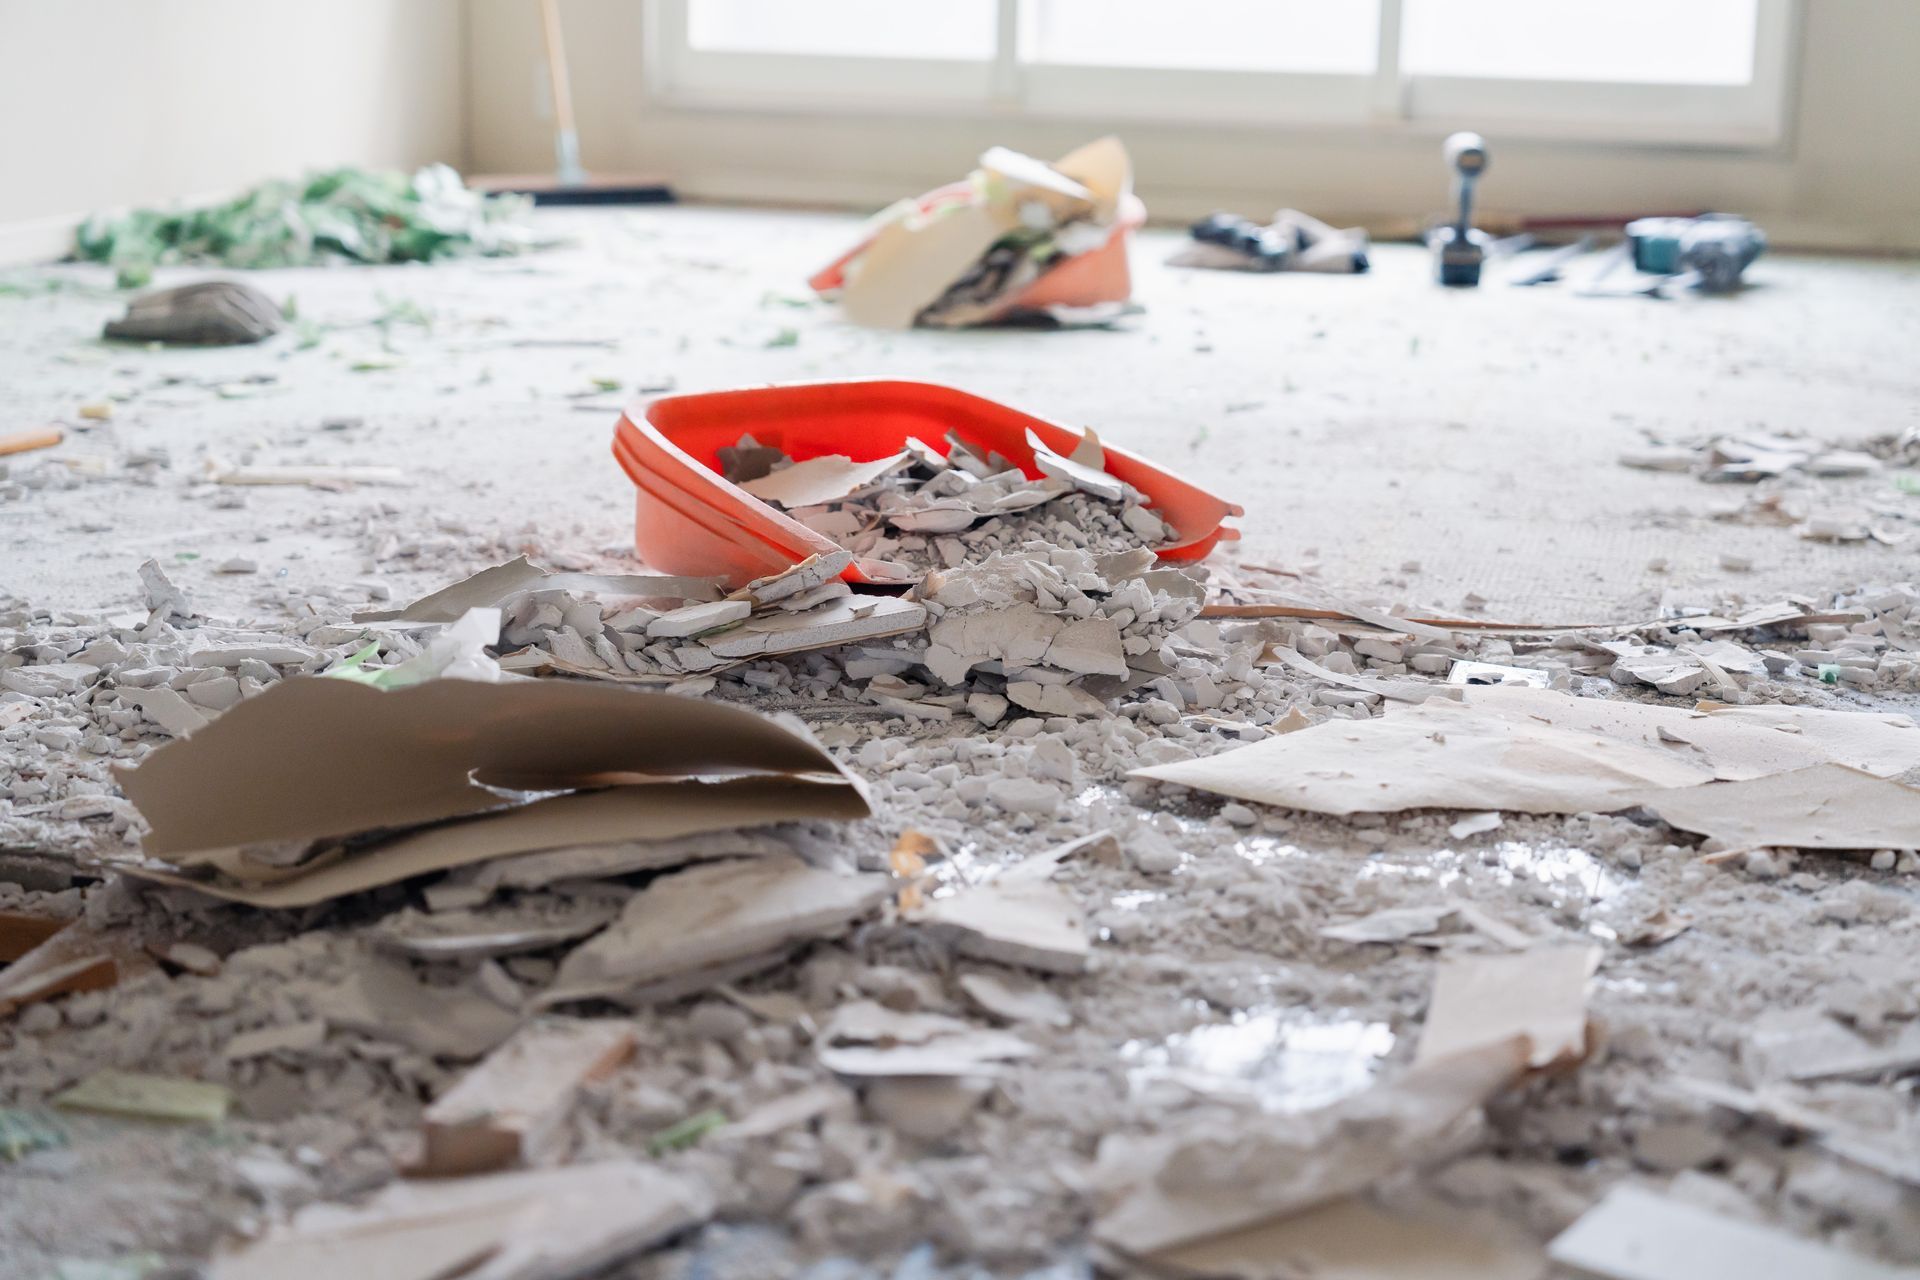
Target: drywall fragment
186,957
272,768
783,1113
166,709
74,958
1054,699
1637,1234
1807,1045
547,1224
147,1097
1539,995
911,260
494,587
1437,755
284,1037
1422,925
1474,824
1018,922
164,599
50,679
1656,927
605,861
710,915
867,1039
1398,690
1015,1002
813,572
1350,1239
1826,806
1395,924
1211,1172
1539,751
925,1107
1087,479
476,936
821,480
1017,636
586,820
842,621
270,771
693,619
311,476
506,1110
232,655
382,998
1088,646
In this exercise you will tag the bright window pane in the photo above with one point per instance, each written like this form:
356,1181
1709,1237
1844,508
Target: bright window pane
1641,41
951,29
1220,35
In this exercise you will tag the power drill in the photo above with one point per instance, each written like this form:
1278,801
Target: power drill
1459,250
1713,249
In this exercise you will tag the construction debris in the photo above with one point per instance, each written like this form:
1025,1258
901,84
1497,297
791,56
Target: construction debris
1292,241
1353,1240
1538,995
998,244
713,923
1357,1037
147,1097
1211,1175
507,1110
357,214
547,1224
919,511
1538,751
1827,806
864,1039
456,749
1635,1234
210,313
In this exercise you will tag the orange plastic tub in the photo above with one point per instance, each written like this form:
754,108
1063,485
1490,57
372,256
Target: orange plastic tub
689,520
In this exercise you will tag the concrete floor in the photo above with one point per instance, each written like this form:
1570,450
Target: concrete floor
1363,422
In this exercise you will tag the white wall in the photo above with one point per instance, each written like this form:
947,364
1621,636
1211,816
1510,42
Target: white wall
1847,176
113,102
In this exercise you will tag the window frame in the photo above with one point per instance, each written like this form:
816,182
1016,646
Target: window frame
1747,117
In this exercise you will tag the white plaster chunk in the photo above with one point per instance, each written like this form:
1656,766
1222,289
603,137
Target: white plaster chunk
693,619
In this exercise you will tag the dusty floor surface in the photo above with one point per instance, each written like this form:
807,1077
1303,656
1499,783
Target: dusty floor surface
1394,443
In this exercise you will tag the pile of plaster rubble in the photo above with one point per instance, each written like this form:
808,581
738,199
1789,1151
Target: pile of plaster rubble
1783,470
444,867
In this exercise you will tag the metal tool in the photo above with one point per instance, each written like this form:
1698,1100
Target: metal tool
1713,249
1458,249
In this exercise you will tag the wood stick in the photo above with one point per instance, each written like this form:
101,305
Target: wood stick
32,438
1338,615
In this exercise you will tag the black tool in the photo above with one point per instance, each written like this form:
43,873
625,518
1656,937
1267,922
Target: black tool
1458,249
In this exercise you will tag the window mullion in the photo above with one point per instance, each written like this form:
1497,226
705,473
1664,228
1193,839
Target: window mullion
1388,96
1006,52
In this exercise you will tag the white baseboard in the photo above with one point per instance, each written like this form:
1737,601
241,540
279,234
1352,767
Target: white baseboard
36,240
1177,207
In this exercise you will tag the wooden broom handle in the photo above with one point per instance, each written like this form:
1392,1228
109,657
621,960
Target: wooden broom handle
557,65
